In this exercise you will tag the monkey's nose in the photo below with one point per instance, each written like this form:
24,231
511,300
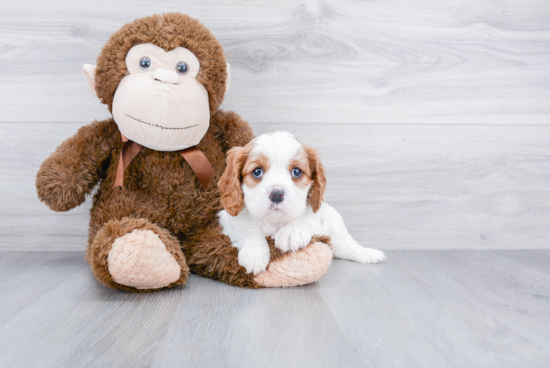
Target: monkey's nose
166,76
277,196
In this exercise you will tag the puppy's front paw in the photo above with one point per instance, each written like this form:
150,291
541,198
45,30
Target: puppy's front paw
254,259
292,238
367,255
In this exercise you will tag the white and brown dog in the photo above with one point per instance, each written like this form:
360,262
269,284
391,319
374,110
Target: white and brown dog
274,187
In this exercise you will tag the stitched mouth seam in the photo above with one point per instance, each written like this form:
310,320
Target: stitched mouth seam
158,126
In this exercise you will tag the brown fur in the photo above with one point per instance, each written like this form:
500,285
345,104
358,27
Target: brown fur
158,186
255,161
232,197
210,244
167,31
161,193
98,251
301,163
315,195
251,164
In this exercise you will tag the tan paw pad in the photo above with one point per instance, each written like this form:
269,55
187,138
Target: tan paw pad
298,268
139,259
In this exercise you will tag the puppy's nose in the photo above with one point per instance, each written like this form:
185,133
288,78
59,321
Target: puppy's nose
277,196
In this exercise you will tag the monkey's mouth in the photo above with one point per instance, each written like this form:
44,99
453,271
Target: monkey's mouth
160,126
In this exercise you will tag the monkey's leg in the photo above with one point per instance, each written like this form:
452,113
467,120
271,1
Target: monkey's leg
136,255
211,254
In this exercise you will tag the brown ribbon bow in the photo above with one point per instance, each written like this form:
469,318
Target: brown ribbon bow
195,158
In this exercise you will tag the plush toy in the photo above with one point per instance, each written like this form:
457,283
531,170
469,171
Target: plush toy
157,162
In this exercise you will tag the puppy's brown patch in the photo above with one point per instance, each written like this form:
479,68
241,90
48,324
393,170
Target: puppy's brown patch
230,182
252,163
317,190
301,162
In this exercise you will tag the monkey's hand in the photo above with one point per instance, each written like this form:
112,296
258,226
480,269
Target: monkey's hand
72,171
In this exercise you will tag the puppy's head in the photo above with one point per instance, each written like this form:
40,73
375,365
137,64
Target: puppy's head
275,176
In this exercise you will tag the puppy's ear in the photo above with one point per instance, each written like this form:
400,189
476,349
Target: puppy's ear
315,195
232,197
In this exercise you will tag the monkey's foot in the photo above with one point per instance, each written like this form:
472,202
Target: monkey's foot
139,259
297,268
135,255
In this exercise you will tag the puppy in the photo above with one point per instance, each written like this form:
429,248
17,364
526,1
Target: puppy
274,187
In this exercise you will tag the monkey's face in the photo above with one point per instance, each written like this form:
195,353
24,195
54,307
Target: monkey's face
162,77
160,104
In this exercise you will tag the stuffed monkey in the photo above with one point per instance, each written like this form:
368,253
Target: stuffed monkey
157,162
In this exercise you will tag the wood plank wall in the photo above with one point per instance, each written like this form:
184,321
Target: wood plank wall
432,117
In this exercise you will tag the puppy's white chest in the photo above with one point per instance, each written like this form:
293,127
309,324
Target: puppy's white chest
270,228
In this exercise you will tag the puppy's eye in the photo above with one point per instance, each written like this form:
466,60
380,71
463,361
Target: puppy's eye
296,173
145,63
258,172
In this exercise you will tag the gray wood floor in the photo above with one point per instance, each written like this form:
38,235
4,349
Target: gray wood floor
467,308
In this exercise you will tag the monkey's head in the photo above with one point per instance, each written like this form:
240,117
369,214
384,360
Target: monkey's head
162,78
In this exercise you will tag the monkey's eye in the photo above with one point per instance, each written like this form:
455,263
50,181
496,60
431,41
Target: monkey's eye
296,173
182,67
145,63
258,172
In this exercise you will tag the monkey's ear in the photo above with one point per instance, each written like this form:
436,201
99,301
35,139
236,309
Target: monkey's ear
89,76
228,79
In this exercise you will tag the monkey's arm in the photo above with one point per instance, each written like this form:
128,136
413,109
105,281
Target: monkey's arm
232,130
76,166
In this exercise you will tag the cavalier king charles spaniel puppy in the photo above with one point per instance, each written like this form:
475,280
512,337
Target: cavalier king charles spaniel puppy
274,187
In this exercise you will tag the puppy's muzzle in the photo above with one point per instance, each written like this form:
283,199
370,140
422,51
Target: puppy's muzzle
277,196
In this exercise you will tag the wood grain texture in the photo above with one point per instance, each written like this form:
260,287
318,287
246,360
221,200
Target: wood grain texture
289,327
458,309
432,117
397,186
419,309
535,259
83,323
27,276
307,61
